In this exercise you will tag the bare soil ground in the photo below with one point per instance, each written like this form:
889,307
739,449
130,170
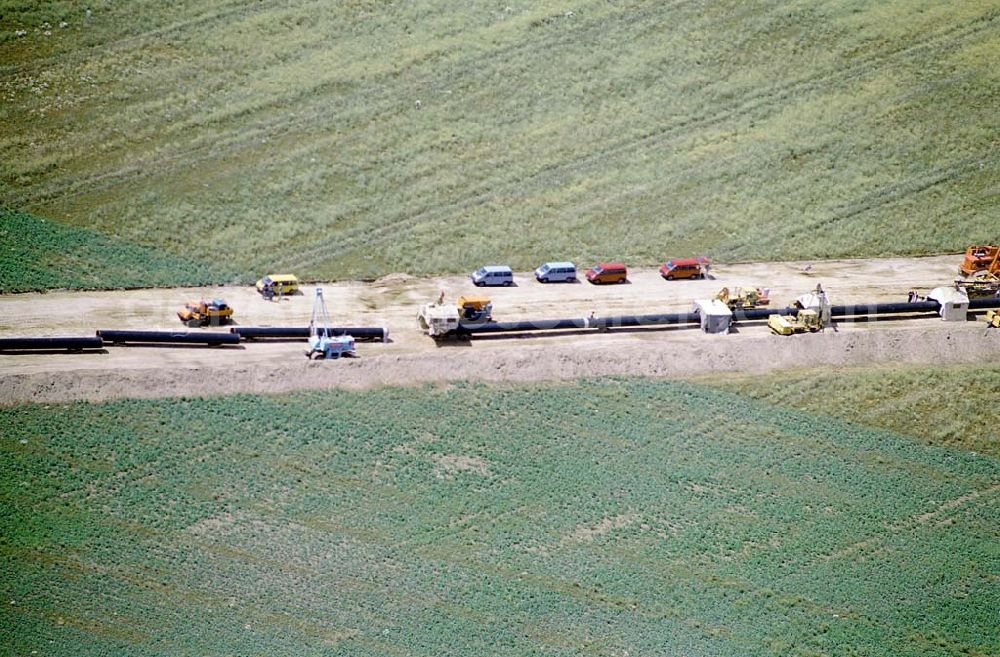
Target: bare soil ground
412,358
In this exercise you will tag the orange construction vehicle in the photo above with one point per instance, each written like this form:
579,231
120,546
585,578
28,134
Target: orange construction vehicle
981,259
205,313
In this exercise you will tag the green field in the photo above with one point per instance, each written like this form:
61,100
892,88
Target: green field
599,518
351,139
37,254
951,405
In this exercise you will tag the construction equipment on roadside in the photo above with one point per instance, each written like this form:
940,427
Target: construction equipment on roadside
813,314
215,312
475,308
323,345
804,320
981,260
744,298
440,320
980,288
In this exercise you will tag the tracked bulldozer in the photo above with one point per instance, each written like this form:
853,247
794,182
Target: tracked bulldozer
981,261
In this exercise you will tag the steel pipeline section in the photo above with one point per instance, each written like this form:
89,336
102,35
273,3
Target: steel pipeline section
236,334
51,344
982,304
752,314
168,337
865,309
302,332
599,323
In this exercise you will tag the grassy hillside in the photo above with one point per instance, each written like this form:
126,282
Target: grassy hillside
952,406
37,254
351,139
628,518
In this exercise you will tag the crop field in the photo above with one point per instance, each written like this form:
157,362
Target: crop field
606,517
953,406
46,255
352,139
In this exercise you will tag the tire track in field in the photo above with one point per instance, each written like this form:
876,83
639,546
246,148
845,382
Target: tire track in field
344,242
889,194
940,512
219,10
238,137
185,159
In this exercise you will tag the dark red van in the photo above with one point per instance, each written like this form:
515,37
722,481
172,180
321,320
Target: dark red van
685,268
607,272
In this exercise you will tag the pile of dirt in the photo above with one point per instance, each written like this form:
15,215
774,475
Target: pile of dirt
393,279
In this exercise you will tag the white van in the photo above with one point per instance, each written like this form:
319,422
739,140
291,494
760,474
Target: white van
493,275
556,272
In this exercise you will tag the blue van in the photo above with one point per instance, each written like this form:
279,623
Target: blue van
556,272
493,275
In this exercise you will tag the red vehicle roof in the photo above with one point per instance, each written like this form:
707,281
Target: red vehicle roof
611,265
687,262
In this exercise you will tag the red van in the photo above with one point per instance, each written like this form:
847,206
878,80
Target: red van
607,272
685,268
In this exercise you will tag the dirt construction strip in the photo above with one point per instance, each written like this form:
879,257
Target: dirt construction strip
604,356
412,358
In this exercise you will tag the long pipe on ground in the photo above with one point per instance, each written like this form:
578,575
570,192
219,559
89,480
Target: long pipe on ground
620,321
168,337
847,310
900,308
302,332
32,344
532,325
751,314
982,304
645,320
